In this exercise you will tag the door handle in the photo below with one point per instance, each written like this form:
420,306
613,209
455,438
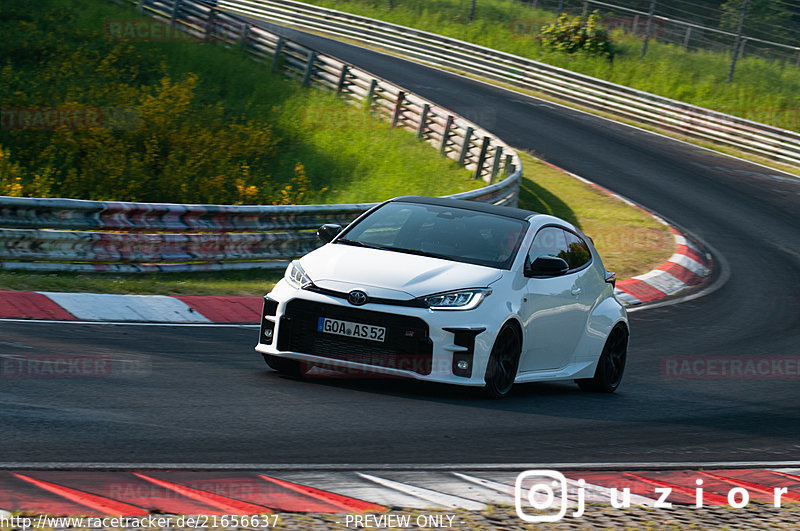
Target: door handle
576,291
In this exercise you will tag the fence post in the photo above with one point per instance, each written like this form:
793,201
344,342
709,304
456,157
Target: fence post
687,37
462,158
371,93
398,108
735,53
244,35
423,121
498,155
312,58
481,158
174,15
508,167
446,135
211,25
140,6
276,57
650,14
342,79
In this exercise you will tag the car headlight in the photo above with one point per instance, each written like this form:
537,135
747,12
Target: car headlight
464,299
296,276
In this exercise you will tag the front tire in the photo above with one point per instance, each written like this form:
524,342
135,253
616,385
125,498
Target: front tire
501,371
285,366
611,365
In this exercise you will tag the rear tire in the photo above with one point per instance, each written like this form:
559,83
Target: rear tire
501,371
611,365
285,366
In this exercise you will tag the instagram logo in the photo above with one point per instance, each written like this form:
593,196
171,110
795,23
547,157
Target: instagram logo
544,491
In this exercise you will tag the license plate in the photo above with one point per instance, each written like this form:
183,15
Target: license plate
348,329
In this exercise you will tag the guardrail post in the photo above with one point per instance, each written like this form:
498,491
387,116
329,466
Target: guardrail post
462,158
481,158
312,58
211,25
174,15
373,85
508,166
342,79
423,121
276,57
398,108
498,154
244,35
446,134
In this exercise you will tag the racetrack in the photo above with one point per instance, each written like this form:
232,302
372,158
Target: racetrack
202,395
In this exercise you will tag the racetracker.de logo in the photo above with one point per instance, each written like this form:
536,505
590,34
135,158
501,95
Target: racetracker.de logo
72,366
730,367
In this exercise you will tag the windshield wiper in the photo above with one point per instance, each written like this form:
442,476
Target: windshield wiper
356,243
419,253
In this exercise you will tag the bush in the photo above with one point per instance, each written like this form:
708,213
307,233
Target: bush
579,34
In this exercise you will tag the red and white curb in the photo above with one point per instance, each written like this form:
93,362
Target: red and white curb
218,492
97,307
689,266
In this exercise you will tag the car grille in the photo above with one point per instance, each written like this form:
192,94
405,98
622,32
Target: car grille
407,344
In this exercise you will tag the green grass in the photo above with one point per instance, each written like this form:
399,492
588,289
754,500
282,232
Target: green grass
763,90
346,155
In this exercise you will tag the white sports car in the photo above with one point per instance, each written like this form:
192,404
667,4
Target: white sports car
450,291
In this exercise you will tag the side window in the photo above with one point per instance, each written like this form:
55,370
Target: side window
549,241
577,253
552,241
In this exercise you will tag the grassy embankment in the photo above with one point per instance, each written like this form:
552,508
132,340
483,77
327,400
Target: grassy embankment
763,90
343,163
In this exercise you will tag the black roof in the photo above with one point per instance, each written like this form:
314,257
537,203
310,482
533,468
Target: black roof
509,212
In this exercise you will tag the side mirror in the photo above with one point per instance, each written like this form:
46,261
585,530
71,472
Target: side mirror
328,232
547,266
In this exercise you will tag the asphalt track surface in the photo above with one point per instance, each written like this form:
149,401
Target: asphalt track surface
202,395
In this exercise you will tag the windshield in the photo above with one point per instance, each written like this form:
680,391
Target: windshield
441,232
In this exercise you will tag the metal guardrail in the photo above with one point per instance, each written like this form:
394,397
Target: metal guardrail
752,137
78,235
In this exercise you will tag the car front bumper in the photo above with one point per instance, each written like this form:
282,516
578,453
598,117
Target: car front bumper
421,343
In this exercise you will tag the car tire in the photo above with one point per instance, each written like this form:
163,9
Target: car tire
501,370
611,365
285,366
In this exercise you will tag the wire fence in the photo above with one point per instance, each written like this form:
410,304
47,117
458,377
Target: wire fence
771,31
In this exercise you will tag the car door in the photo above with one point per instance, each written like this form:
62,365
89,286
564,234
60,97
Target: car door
555,309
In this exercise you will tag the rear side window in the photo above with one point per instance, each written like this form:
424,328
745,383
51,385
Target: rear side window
554,241
577,253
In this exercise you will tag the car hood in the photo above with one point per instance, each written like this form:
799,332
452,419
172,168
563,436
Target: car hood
385,273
